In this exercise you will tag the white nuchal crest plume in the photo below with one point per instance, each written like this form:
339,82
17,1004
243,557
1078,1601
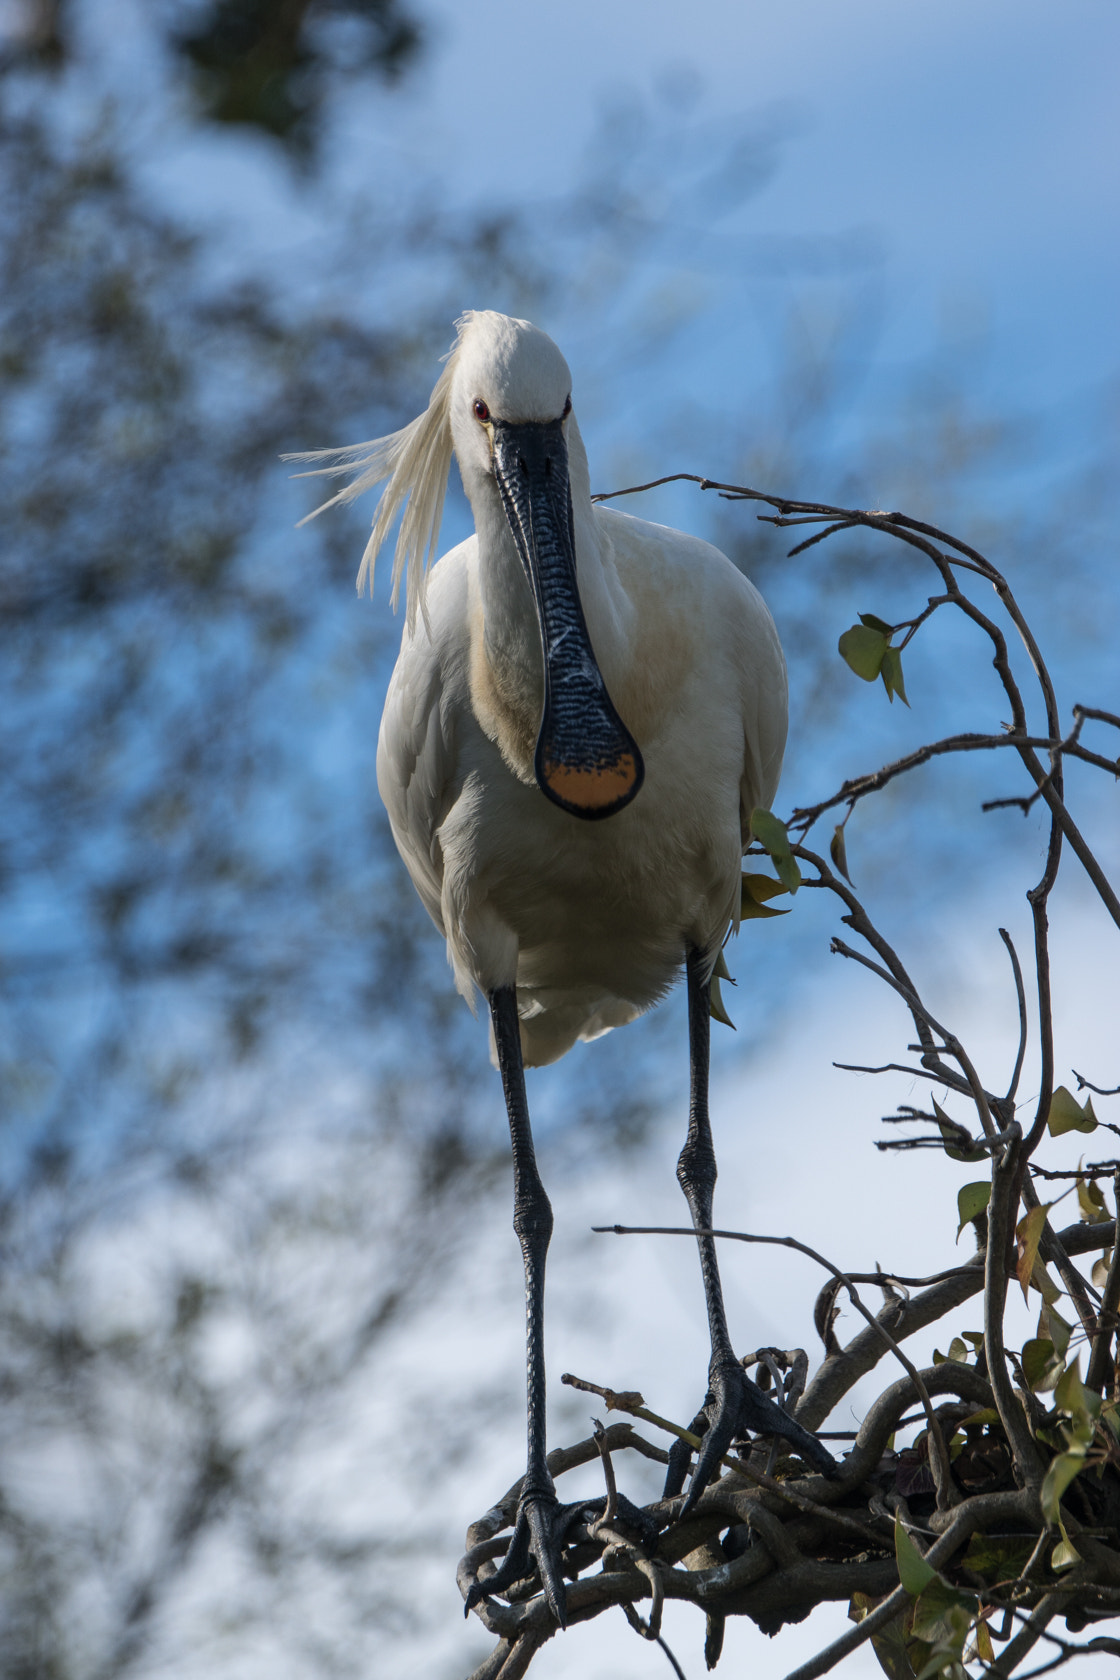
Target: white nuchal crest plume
416,461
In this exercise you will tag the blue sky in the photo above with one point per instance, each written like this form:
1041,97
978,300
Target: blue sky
978,144
973,148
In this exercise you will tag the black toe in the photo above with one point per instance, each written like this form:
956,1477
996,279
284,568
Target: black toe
734,1407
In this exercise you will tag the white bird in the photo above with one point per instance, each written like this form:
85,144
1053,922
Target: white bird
585,711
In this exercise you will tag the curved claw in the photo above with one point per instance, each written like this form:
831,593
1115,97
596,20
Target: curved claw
541,1529
541,1533
734,1405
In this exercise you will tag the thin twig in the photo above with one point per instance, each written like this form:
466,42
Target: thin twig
858,787
1084,1084
952,1083
1013,1653
1101,717
951,1044
1021,996
610,1509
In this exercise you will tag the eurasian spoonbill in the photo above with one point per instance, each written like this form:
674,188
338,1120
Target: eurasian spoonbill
585,711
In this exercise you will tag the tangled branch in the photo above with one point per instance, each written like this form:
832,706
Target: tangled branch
957,1552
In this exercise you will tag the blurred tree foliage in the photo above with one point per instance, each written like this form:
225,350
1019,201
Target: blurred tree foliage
190,913
269,62
239,1096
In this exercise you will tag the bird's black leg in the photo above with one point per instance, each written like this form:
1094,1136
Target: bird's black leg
734,1403
542,1523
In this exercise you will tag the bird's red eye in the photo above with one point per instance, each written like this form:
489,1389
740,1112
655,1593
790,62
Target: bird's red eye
567,408
481,412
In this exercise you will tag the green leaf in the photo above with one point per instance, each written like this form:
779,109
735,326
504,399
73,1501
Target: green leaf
1042,1365
1101,1268
943,1614
1061,1473
997,1560
1064,1556
753,895
838,852
770,832
879,624
1067,1114
891,673
972,1199
863,648
913,1570
957,1139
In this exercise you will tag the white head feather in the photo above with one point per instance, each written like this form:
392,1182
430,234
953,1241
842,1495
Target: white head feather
417,459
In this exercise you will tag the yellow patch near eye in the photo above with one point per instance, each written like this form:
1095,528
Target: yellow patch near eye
590,789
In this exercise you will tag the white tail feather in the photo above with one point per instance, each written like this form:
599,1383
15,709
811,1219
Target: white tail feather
416,461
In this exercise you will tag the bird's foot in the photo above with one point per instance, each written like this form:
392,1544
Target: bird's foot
539,1537
734,1406
542,1530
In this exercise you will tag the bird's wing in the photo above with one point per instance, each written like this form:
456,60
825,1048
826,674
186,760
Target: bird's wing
418,773
764,697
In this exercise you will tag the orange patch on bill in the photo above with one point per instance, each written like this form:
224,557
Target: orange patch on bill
590,788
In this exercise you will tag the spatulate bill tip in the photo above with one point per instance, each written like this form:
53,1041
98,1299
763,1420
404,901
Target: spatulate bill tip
591,790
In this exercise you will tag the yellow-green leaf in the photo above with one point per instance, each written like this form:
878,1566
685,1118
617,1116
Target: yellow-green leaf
982,1642
838,852
1090,1199
753,896
957,1139
1028,1233
1061,1473
862,648
972,1199
1042,1366
1064,1556
716,1005
1071,1396
891,673
1068,1115
1044,1283
913,1570
890,1644
770,832
1052,1324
